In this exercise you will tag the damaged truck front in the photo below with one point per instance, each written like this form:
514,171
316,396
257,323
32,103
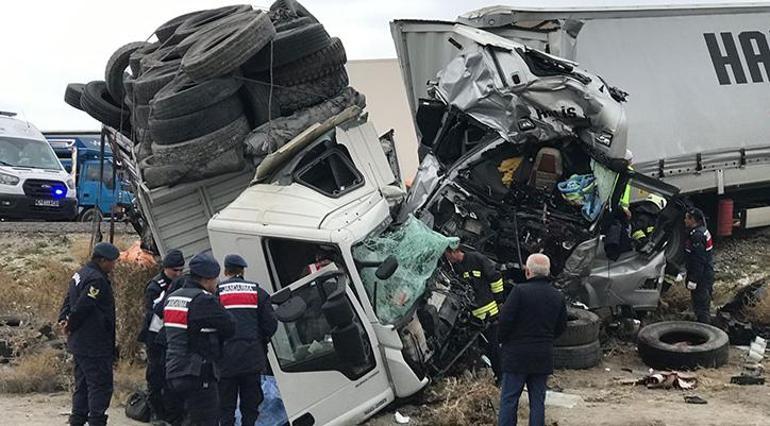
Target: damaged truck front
368,310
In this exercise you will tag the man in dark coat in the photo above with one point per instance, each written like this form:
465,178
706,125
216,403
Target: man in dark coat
88,318
196,325
245,354
154,294
531,318
700,264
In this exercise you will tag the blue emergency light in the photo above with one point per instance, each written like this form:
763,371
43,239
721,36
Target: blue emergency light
58,191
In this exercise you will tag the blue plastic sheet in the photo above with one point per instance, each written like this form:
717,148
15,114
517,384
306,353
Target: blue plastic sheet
271,411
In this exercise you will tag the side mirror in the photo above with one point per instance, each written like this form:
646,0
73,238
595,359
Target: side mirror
387,268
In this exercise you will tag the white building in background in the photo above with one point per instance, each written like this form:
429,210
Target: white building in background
380,80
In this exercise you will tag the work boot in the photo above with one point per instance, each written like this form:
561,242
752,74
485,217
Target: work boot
97,420
77,420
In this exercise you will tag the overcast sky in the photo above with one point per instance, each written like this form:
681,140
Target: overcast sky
47,44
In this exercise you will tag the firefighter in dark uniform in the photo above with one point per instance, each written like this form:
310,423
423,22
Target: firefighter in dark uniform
88,319
196,325
245,354
480,273
173,265
699,263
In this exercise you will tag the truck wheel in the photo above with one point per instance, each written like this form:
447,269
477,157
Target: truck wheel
222,50
682,345
88,215
116,67
314,66
582,328
577,357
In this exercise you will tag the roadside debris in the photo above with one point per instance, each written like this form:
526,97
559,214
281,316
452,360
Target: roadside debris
666,380
401,419
682,345
694,399
752,369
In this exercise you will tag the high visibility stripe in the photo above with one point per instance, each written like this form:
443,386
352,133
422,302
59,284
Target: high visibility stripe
175,318
208,330
466,275
650,229
244,299
476,274
490,308
638,234
497,286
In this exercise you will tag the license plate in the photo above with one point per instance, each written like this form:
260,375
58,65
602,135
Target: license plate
47,203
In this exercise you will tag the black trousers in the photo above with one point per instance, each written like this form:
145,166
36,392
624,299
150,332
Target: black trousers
156,378
249,388
492,348
93,388
701,301
201,400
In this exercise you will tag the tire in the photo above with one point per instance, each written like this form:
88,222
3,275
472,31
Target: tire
203,19
156,175
140,116
166,30
99,105
577,357
73,94
655,343
287,47
153,80
256,103
293,98
183,96
338,312
314,66
224,49
135,59
291,24
88,215
294,7
197,124
200,150
582,328
116,67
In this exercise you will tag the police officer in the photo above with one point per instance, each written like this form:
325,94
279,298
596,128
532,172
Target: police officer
88,318
699,263
480,273
195,325
245,354
173,265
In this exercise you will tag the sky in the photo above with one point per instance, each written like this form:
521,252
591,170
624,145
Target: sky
48,44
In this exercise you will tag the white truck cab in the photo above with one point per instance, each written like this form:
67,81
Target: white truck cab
33,183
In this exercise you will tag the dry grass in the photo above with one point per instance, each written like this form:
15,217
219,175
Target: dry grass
45,371
129,377
129,282
471,399
759,312
676,299
39,292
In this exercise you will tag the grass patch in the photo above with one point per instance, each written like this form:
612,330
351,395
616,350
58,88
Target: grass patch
45,372
129,282
128,378
470,399
677,299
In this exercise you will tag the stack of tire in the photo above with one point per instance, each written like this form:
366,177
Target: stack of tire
190,99
578,347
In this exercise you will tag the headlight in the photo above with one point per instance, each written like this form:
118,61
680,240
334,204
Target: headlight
71,183
6,179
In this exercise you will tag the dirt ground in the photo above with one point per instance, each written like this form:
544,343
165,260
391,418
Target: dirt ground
606,401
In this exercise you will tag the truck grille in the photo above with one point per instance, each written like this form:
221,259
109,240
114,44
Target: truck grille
39,188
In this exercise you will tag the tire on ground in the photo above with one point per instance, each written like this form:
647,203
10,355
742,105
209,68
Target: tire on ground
73,94
287,47
293,98
577,357
183,96
99,105
313,66
200,150
116,67
682,345
582,328
194,125
226,48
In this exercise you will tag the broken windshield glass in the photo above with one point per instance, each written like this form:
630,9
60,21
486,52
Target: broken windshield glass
417,249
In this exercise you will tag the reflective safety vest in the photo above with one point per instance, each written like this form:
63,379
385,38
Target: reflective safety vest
488,286
241,299
180,359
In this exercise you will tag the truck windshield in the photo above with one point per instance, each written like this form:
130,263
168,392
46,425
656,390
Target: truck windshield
417,249
34,154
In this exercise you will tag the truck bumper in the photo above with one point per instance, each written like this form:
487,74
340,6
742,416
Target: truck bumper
23,207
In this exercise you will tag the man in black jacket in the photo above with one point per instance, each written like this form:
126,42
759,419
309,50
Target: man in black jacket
173,265
196,325
480,273
531,318
700,264
245,354
88,318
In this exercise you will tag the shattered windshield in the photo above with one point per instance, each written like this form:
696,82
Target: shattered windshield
417,249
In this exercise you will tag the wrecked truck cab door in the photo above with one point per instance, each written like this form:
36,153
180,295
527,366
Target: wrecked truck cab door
327,361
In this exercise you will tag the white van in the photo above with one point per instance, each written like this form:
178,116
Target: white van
33,183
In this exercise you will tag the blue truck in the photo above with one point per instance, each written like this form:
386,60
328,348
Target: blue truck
79,153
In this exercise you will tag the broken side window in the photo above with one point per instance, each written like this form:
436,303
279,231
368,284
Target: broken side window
331,173
291,260
417,249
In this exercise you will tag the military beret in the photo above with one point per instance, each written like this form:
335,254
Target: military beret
173,259
235,261
107,251
204,265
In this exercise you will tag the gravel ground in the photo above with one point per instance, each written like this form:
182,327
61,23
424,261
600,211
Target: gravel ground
62,227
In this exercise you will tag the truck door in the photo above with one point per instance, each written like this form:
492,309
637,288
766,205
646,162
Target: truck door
89,188
325,356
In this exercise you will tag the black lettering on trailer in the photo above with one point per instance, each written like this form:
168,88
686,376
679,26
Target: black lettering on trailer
721,61
754,57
